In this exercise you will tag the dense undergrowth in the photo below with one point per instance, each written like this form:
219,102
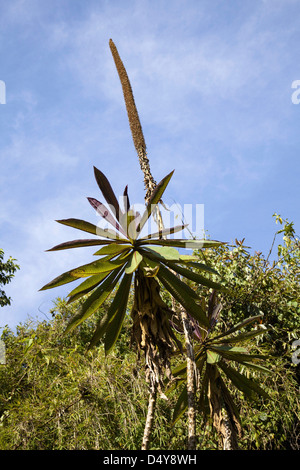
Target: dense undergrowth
54,394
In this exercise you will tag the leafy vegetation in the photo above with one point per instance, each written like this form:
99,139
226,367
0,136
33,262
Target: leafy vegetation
7,272
54,394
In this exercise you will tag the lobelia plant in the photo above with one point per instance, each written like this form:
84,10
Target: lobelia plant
126,260
216,355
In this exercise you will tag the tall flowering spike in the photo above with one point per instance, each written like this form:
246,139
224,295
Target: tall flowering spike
134,121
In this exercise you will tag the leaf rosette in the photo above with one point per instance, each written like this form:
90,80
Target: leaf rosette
122,254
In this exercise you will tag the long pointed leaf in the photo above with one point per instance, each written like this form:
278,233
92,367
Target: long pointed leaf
79,244
234,355
131,225
178,284
181,405
100,330
99,266
126,199
239,326
91,228
197,277
183,294
165,232
257,367
247,386
184,259
95,300
108,192
86,286
60,280
212,357
154,200
112,249
242,337
118,310
105,213
162,252
183,243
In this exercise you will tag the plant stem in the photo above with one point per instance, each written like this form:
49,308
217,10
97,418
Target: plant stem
150,418
192,439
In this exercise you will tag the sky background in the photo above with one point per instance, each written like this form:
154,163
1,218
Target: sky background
212,81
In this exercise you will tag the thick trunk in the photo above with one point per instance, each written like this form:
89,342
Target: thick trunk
223,419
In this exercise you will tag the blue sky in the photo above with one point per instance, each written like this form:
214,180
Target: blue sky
212,82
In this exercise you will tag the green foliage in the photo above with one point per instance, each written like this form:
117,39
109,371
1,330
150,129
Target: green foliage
7,272
257,285
56,395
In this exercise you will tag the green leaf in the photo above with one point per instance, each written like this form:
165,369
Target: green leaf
79,244
183,243
245,385
100,330
91,228
203,244
196,265
117,313
179,370
60,280
133,262
163,252
165,232
98,266
181,405
229,349
257,367
86,286
242,336
112,249
196,277
235,355
183,294
154,200
239,326
212,357
95,300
